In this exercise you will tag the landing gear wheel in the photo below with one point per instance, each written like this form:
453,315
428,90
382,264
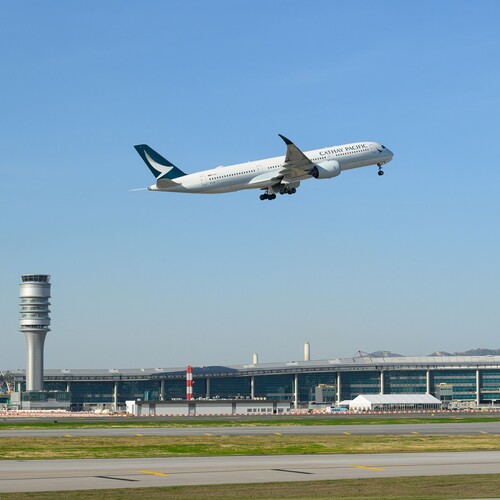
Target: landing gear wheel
267,196
380,172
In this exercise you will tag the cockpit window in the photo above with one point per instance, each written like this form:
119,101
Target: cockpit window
383,147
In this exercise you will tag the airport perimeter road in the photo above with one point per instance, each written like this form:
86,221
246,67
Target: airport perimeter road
461,428
51,475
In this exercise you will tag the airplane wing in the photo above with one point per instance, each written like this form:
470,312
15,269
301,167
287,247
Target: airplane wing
297,163
269,176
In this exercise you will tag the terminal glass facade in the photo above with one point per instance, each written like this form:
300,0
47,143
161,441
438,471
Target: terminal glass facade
405,382
490,386
147,390
95,392
200,388
54,386
175,389
309,381
274,387
463,382
40,396
353,384
230,387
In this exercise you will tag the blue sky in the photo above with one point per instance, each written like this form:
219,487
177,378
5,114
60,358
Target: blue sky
407,262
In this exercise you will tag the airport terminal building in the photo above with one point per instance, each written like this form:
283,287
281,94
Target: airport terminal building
473,380
470,379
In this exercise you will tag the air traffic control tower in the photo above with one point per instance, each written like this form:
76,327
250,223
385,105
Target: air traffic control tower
34,295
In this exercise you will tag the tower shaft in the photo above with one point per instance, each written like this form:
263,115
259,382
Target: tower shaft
34,360
34,323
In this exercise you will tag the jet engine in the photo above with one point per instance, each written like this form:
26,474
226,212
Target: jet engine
326,169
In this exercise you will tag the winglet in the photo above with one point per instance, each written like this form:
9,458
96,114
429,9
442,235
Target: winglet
294,155
288,142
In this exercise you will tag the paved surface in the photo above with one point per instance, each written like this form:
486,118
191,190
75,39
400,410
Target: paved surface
50,475
462,428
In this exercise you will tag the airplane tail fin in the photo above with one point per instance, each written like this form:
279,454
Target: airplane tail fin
159,166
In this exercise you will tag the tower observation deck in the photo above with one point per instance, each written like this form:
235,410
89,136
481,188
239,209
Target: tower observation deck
34,323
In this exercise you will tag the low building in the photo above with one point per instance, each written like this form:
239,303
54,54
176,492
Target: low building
208,407
324,393
391,402
444,392
40,400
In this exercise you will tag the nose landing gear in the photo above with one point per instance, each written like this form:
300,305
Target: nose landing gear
380,171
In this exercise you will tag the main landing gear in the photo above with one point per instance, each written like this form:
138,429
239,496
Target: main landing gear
271,195
267,196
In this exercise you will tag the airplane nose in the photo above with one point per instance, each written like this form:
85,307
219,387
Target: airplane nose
389,154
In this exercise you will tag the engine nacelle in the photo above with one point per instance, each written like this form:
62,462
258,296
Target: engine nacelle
326,169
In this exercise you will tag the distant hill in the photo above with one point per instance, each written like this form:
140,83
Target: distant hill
390,354
479,352
385,354
471,352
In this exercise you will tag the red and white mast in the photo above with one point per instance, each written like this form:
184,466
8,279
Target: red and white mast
189,382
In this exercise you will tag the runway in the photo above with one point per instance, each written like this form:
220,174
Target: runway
51,475
374,429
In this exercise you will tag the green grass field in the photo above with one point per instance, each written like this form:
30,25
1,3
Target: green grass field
72,423
275,444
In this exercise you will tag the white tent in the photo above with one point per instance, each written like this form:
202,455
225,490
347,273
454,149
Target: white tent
372,402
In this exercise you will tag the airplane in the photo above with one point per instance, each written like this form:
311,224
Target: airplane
281,174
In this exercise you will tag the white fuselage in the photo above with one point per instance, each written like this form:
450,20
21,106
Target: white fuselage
262,174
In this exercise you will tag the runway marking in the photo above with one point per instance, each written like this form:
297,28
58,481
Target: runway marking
367,467
294,471
117,478
153,473
68,435
138,435
347,433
